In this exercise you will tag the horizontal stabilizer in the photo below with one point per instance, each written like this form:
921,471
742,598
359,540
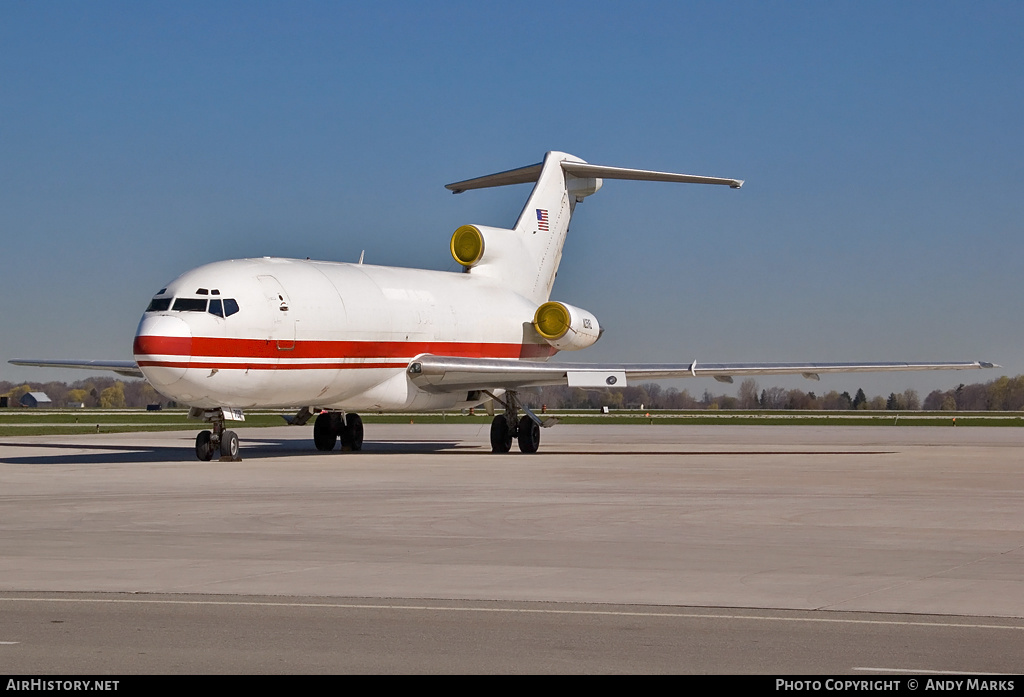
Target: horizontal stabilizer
583,169
530,173
523,175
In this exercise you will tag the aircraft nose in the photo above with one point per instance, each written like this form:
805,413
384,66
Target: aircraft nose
163,346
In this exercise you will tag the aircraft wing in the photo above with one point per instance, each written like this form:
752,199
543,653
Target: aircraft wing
127,368
450,373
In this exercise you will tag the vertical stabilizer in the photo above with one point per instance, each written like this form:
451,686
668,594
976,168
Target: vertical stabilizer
544,223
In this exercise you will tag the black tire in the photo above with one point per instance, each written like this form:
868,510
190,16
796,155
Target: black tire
325,432
229,445
204,446
501,436
354,426
529,435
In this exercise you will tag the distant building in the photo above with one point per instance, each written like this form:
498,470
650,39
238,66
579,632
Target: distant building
36,400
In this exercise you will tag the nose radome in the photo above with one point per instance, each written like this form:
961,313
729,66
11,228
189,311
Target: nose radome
163,345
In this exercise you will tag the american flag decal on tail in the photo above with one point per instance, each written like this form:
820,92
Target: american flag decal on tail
542,219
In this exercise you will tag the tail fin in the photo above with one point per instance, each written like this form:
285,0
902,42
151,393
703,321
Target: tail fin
563,180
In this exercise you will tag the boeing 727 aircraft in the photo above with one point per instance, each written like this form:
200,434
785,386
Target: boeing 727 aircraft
332,339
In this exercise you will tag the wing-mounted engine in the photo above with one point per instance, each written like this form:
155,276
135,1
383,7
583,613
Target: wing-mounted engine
565,327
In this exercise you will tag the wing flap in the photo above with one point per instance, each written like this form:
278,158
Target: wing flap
595,378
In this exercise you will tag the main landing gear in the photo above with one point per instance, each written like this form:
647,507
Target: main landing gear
329,428
507,426
218,441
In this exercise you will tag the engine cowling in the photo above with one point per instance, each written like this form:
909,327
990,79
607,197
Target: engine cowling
565,327
467,245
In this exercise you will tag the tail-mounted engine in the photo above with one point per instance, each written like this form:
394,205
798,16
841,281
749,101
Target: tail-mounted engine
565,327
468,245
494,253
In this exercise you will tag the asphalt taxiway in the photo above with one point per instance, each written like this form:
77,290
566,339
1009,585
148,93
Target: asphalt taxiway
905,541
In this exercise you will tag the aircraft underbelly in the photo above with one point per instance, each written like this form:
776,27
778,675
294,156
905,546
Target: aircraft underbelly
271,389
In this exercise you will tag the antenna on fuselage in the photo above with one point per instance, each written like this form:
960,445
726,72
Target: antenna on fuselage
361,256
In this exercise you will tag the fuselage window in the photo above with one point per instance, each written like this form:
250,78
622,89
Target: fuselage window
189,305
230,307
159,305
216,308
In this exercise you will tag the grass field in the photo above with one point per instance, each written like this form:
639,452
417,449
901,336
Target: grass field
28,422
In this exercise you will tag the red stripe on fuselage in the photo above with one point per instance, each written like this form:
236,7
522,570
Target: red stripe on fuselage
166,345
268,366
212,347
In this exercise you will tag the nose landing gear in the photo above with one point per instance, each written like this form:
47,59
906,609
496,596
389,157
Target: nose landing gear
218,440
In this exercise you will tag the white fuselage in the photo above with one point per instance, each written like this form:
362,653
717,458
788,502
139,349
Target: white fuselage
324,334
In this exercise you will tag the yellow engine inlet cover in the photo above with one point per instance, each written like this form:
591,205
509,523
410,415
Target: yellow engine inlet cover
551,320
467,245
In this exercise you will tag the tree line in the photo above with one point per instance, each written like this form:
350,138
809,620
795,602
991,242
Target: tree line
1001,394
101,392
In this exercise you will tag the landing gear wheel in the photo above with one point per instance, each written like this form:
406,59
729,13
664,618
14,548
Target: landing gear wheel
345,436
204,446
354,426
229,446
501,436
529,435
325,431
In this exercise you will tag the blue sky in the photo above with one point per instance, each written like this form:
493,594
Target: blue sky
881,144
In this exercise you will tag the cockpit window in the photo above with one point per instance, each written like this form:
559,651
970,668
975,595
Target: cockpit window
223,308
190,305
159,305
